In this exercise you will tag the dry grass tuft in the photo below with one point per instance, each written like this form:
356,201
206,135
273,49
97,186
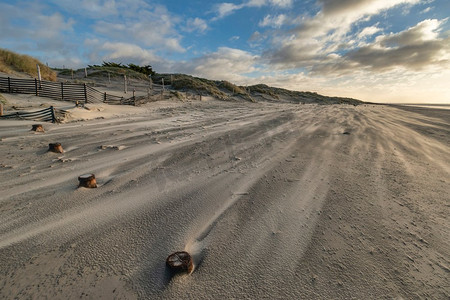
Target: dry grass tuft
11,62
2,99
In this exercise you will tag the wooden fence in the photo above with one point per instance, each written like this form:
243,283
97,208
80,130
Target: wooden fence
77,93
45,115
59,91
55,90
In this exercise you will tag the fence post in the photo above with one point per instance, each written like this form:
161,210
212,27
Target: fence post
104,97
1,109
39,72
62,91
125,83
35,87
85,93
9,85
52,109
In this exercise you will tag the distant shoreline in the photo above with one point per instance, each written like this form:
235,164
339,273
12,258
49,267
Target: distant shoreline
422,105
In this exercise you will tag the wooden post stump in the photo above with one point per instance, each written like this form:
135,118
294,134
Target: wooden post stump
180,261
55,147
37,128
87,181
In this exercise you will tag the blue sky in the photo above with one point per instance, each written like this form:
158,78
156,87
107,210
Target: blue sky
374,50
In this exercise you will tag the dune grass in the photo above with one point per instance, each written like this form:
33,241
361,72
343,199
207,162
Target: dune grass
186,82
11,62
2,99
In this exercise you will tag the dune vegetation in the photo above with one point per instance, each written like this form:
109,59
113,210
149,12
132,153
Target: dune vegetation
11,63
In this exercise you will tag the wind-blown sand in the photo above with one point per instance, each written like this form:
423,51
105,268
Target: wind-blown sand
274,202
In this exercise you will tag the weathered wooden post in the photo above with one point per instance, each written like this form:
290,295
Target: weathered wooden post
1,109
37,128
62,91
55,147
9,85
85,93
36,87
87,181
163,83
151,83
52,110
134,91
39,74
104,97
162,94
85,72
125,84
180,261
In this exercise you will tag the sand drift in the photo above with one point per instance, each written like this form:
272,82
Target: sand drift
277,201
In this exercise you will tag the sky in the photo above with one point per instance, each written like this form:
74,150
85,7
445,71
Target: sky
373,50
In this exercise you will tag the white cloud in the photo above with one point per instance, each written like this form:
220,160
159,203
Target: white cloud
51,27
224,64
224,9
282,3
155,28
368,31
426,10
274,21
318,36
123,51
426,30
416,48
196,24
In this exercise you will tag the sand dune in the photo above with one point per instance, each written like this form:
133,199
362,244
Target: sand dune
274,201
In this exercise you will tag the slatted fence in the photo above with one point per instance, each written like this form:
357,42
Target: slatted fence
58,90
55,90
45,115
80,93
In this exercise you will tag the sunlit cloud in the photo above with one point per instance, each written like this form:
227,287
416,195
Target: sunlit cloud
224,64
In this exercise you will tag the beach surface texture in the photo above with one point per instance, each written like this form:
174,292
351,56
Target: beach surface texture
271,200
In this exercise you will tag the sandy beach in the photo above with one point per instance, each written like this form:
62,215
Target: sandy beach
274,201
